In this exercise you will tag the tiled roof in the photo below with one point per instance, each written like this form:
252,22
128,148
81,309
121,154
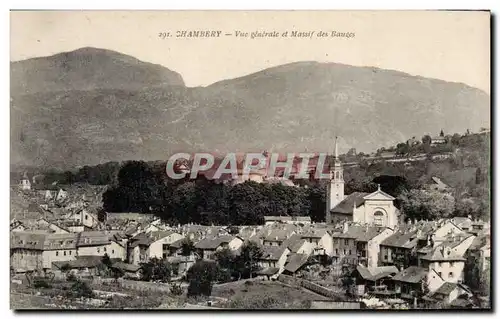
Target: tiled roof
360,233
411,274
267,271
314,233
82,262
445,289
178,243
93,238
27,240
346,206
126,267
400,239
272,252
376,273
295,262
278,235
443,252
212,243
61,241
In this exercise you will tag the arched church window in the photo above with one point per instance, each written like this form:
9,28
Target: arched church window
378,218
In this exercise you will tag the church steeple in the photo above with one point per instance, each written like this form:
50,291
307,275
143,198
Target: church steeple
335,188
336,154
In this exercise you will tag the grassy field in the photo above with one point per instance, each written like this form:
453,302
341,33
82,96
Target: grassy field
263,295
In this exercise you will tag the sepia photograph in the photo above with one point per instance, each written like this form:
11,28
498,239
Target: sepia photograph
250,160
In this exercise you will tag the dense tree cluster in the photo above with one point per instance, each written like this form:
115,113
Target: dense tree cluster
141,187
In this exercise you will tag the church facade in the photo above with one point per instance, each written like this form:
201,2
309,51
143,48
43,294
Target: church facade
375,208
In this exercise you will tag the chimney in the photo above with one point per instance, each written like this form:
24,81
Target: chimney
345,227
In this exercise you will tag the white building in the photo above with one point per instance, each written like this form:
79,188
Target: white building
376,208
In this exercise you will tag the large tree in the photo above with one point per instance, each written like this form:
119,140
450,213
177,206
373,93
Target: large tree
426,205
201,277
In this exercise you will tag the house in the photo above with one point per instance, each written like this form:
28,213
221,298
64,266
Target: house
273,258
145,246
24,183
269,220
320,241
276,237
207,247
17,225
344,246
438,140
295,262
368,239
26,251
447,259
438,185
160,241
59,247
174,249
465,223
376,280
181,264
298,245
448,292
130,271
57,228
73,226
99,243
81,266
414,282
84,217
444,230
61,195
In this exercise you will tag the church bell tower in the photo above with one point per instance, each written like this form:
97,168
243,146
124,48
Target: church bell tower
335,186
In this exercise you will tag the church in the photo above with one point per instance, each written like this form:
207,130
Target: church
375,208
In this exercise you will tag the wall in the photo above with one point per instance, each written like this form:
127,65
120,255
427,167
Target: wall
373,248
156,248
26,259
144,285
50,256
289,280
445,267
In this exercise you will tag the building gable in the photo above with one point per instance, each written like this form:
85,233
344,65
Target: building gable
379,195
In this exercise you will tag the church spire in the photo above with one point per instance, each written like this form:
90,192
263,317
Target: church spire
336,154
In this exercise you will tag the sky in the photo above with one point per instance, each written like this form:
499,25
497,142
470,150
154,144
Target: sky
452,46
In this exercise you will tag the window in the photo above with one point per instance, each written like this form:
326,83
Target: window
104,249
378,218
336,251
86,217
112,251
346,241
70,252
345,252
64,253
350,253
450,275
57,253
98,250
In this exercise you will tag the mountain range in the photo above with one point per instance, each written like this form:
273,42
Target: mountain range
93,105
